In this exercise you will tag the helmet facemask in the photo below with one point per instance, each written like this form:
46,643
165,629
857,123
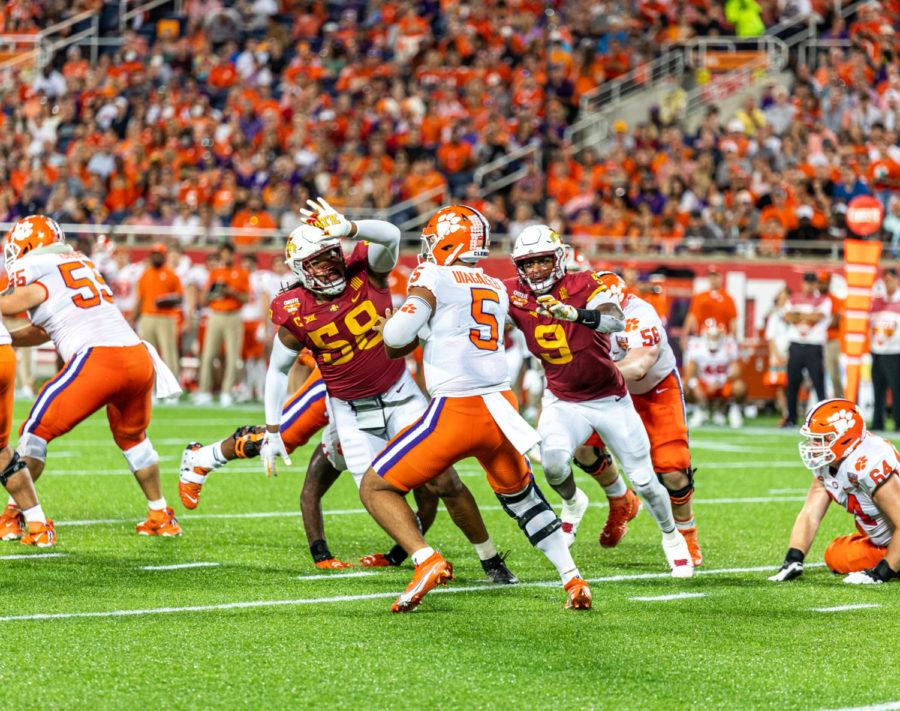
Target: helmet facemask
557,272
314,272
815,450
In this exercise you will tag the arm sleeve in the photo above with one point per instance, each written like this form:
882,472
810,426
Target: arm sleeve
384,247
403,326
277,380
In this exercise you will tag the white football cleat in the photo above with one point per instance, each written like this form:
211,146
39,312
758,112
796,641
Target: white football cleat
571,515
678,555
718,419
735,417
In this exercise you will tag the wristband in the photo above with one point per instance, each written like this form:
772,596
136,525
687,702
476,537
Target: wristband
884,572
588,317
794,555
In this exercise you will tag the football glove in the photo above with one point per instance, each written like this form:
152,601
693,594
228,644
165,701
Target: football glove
324,216
271,448
788,571
881,573
549,306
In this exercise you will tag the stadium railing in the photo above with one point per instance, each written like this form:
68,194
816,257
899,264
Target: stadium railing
35,50
593,247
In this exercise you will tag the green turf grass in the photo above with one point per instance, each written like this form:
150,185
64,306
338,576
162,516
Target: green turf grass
746,643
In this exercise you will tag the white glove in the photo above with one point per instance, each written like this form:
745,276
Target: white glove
789,571
332,223
271,448
549,306
862,577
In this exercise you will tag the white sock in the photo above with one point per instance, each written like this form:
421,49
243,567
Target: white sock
616,489
557,552
681,525
421,555
486,550
34,515
210,456
158,505
656,497
11,502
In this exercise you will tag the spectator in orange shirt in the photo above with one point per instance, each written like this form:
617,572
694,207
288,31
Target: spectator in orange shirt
227,290
423,178
159,296
715,303
253,217
455,159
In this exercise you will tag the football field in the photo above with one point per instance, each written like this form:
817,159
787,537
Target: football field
234,615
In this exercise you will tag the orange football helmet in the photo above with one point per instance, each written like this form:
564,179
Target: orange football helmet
456,233
833,429
613,285
28,234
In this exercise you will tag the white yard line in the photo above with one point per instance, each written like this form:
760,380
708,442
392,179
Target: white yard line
887,706
179,566
249,604
844,608
25,556
788,491
666,598
360,511
324,575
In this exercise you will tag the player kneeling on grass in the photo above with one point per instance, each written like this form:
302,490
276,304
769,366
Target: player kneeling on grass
859,471
459,312
107,365
713,376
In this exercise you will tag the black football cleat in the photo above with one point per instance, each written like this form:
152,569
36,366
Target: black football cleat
497,572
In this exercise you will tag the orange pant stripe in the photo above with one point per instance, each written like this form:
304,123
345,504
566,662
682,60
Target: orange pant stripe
304,413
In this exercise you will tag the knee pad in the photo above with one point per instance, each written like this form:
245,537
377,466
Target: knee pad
556,465
683,494
15,465
30,445
530,509
600,465
247,441
141,456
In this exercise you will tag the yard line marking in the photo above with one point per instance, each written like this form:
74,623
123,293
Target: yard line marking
842,608
666,598
179,566
23,556
355,512
723,446
887,706
788,491
249,604
329,576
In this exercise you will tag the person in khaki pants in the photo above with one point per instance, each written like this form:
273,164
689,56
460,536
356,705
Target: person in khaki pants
159,295
227,290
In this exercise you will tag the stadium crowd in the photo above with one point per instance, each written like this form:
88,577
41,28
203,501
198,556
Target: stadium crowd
231,115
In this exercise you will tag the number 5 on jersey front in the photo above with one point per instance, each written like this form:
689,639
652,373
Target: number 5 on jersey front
485,336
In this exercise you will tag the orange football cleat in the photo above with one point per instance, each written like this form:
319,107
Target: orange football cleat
375,560
160,523
12,524
578,595
188,487
431,573
332,564
41,535
690,535
622,509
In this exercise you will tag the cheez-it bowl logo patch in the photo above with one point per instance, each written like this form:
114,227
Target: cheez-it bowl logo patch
292,306
518,299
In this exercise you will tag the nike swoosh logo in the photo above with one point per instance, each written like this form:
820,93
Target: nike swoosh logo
354,299
660,391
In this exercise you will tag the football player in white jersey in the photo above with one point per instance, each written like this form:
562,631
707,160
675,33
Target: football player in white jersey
458,311
643,354
23,518
107,365
712,373
860,472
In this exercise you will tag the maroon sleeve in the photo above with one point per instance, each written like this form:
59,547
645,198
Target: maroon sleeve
283,313
359,254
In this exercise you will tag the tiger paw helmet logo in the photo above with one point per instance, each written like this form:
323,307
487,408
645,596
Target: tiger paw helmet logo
842,420
448,223
22,230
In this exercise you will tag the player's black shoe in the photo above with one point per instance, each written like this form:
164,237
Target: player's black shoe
497,572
